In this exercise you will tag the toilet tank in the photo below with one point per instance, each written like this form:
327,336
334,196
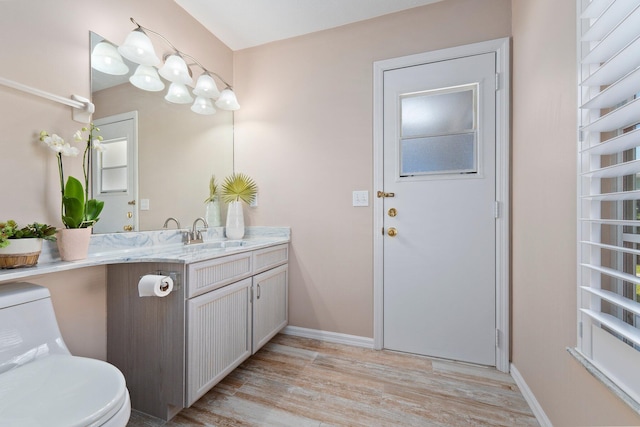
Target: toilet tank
28,326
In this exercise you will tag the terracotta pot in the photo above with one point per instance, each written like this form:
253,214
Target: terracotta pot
73,243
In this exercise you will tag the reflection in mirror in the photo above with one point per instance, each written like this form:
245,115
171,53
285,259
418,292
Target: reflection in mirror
170,157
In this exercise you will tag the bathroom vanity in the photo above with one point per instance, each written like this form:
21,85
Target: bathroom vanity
174,349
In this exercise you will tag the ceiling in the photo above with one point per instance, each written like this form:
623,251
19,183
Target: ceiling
246,23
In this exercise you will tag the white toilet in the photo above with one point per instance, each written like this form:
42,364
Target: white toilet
41,383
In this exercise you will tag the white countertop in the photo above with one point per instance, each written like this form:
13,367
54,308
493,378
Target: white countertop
152,246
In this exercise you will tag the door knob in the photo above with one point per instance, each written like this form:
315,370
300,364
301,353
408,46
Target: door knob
128,228
392,232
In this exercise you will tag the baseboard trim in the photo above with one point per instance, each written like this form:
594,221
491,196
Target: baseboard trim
542,418
333,337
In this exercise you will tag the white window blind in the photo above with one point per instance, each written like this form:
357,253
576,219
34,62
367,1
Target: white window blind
609,190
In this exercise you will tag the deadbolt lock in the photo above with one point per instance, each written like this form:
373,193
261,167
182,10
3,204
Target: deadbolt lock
392,212
129,214
392,232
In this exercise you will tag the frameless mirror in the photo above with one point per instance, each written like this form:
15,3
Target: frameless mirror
161,155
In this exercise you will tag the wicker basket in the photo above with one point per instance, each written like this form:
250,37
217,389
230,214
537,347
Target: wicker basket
20,253
19,260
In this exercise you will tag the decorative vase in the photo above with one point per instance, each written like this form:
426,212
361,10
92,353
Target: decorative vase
235,221
212,214
20,253
73,243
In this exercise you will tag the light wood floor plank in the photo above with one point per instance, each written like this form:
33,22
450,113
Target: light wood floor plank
300,382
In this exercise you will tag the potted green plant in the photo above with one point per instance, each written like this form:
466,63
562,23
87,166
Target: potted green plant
78,211
237,188
21,246
212,203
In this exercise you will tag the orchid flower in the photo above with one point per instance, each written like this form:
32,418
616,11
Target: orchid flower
77,210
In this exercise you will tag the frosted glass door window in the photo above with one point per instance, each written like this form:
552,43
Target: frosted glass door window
113,167
439,132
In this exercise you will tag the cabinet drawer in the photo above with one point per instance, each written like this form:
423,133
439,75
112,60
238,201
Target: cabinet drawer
206,276
264,259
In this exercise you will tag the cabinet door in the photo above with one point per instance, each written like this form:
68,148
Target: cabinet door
218,336
270,304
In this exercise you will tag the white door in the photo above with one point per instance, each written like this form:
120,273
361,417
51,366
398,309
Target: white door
115,174
440,184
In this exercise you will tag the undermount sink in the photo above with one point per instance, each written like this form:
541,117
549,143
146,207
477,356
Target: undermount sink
222,244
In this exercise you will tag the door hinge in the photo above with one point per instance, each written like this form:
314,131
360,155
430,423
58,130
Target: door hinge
496,209
497,337
497,81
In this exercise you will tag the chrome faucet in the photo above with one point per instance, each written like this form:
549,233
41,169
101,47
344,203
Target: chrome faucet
195,236
171,219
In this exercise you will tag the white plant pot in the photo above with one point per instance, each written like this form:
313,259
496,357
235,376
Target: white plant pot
212,214
235,221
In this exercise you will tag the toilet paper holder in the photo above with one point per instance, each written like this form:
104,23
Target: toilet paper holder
173,274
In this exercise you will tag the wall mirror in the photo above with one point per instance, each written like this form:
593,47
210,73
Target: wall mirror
161,154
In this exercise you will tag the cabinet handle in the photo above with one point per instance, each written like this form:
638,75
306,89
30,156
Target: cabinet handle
258,296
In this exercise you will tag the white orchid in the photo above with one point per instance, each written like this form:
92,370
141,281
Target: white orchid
99,146
78,211
57,144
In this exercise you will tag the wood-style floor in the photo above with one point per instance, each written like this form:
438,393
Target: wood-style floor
301,382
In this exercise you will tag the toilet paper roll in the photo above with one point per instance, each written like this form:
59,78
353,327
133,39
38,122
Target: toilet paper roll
153,285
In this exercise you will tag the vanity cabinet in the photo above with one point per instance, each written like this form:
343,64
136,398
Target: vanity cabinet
218,336
172,350
270,309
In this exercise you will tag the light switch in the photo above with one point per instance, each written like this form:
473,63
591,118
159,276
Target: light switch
361,198
144,204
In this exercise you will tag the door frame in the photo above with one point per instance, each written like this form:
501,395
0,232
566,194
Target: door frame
502,49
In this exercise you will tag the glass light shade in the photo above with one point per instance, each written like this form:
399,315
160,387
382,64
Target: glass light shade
228,101
175,70
203,105
106,58
178,94
206,86
138,48
146,78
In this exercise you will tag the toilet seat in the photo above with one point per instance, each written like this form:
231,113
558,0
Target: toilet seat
60,390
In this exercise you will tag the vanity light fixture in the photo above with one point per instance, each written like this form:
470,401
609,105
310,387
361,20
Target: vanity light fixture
203,105
228,100
146,78
206,86
139,49
175,70
178,94
105,58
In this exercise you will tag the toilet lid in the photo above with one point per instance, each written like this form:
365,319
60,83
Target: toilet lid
61,391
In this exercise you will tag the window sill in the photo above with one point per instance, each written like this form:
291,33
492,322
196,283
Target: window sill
600,376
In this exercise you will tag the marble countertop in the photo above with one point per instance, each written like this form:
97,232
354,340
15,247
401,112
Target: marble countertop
151,246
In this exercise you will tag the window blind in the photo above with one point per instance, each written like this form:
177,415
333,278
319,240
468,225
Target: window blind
609,189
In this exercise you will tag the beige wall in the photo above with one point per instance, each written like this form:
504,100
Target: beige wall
305,134
544,249
46,45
